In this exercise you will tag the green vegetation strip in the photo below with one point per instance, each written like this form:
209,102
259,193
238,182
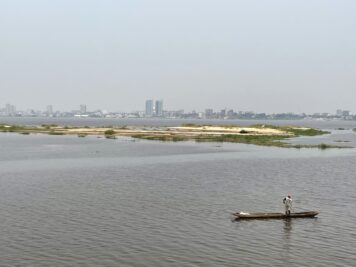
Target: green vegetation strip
244,137
161,137
109,132
295,130
260,140
14,128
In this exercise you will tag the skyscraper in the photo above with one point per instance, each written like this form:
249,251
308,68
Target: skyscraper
10,110
149,108
49,110
83,109
209,112
159,108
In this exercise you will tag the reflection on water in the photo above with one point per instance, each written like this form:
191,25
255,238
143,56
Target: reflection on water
287,234
287,228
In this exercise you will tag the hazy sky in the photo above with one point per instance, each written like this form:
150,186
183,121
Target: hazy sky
272,56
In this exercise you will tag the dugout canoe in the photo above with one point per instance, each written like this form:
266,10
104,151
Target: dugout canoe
273,215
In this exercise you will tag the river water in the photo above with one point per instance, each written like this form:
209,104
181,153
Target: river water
69,201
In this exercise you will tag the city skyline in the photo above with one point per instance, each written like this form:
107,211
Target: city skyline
155,108
83,108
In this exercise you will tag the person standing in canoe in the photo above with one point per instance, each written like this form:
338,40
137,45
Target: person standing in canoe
287,201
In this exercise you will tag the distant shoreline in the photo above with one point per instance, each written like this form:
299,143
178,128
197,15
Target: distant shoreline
263,135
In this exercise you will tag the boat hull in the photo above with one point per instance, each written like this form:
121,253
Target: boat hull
273,215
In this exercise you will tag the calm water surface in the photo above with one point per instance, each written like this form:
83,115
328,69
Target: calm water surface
69,201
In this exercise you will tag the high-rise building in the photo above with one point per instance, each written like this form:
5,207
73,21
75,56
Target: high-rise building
10,110
159,108
342,113
339,112
49,110
209,112
230,113
149,108
83,109
345,113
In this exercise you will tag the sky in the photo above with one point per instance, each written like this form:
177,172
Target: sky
252,55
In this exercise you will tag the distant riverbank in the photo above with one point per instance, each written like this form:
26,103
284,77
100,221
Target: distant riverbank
259,134
161,122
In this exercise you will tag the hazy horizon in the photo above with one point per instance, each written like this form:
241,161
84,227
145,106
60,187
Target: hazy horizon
264,56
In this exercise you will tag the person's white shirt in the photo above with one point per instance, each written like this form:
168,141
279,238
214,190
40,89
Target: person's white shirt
288,203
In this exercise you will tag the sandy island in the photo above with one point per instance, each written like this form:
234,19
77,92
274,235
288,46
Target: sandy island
265,135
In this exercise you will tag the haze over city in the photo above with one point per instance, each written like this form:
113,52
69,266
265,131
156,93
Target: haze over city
177,133
265,56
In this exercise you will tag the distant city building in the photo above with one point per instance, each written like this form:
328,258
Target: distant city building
230,113
342,113
83,109
149,108
49,110
339,112
345,113
159,108
209,112
10,110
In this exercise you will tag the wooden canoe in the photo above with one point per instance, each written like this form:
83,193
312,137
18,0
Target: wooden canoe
273,215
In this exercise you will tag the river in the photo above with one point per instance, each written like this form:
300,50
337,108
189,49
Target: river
69,201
